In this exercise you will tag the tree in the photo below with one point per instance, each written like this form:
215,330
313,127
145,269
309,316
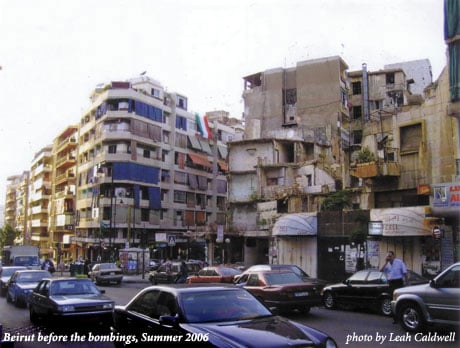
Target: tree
7,235
337,201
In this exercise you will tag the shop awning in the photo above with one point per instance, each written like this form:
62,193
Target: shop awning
296,225
223,166
200,160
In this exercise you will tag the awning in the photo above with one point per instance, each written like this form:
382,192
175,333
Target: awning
195,142
223,166
296,225
200,160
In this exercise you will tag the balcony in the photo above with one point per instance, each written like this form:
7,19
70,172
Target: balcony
374,169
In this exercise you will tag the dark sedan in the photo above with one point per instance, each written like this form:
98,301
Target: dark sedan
75,298
5,274
367,289
22,283
211,316
286,267
214,274
282,289
162,276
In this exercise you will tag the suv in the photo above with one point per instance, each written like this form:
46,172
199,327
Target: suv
437,302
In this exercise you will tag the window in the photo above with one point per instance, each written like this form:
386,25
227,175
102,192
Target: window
390,78
155,93
146,153
357,137
145,214
180,196
181,102
356,87
357,112
411,137
113,148
146,304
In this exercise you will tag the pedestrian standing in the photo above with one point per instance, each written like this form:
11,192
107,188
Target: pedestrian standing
396,271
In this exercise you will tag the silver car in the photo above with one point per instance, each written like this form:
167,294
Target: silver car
437,302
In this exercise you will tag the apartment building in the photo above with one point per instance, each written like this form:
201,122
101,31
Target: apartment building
150,173
317,130
290,157
40,187
61,220
16,204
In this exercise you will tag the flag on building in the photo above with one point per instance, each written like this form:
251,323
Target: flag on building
203,126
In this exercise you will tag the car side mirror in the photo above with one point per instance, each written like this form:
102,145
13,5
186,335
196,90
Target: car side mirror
171,320
433,283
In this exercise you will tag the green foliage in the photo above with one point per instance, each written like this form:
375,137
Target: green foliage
337,201
7,235
365,156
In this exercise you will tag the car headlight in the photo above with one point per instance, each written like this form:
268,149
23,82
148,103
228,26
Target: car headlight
107,306
66,308
330,343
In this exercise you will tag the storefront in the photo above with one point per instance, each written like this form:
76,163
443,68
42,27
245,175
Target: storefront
295,242
408,231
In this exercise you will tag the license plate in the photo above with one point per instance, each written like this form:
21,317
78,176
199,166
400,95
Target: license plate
300,294
112,273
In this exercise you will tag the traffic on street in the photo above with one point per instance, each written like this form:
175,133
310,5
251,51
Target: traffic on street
355,328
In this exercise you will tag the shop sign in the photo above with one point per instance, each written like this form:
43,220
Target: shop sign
375,228
447,195
406,221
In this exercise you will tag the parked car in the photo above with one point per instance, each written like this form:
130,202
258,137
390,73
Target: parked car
72,298
438,302
282,289
22,283
5,274
364,289
215,316
161,276
106,273
154,264
214,274
293,268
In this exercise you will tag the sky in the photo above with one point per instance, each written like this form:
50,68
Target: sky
53,53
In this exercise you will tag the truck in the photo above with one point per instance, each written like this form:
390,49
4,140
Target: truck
21,255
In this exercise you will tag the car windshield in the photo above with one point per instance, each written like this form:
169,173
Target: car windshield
282,278
29,277
229,305
73,287
26,261
297,270
8,272
107,266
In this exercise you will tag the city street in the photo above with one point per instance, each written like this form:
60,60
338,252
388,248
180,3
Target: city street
349,328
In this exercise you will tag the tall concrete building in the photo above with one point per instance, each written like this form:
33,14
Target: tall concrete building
316,133
150,173
40,187
16,204
62,201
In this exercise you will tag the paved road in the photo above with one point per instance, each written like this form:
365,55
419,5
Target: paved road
349,328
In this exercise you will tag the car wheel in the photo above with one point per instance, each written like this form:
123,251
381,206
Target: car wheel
33,315
385,306
328,300
305,309
411,318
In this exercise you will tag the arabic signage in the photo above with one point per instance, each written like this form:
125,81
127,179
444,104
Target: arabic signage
407,221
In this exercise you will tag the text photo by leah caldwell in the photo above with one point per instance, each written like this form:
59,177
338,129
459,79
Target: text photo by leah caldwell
355,339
